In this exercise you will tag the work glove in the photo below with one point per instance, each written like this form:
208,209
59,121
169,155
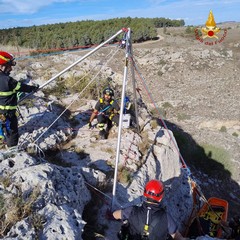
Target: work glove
90,125
35,88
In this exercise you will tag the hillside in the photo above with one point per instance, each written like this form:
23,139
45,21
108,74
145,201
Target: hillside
196,91
197,87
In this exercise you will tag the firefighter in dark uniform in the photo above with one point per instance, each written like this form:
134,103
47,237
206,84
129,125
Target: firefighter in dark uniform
107,112
149,221
8,99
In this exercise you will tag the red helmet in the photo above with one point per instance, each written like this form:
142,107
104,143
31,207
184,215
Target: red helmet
6,58
154,190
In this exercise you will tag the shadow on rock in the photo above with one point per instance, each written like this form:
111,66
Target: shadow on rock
214,177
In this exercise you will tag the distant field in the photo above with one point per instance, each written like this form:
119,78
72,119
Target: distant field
14,49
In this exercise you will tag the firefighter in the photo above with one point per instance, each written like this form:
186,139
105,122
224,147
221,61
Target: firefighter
9,88
150,221
106,111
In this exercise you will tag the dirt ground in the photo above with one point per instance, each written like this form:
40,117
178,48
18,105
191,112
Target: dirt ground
197,88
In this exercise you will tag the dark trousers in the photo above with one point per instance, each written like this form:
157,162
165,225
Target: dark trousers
101,118
11,132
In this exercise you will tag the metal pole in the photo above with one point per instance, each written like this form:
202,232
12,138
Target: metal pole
75,63
121,116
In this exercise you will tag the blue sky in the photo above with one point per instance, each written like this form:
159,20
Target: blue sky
23,13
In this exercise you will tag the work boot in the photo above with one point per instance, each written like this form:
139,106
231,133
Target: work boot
103,134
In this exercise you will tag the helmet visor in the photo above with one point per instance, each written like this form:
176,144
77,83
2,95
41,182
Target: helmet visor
12,62
154,194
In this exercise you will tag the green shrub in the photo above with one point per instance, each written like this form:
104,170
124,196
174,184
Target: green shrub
154,124
124,175
223,129
190,30
167,105
235,134
183,116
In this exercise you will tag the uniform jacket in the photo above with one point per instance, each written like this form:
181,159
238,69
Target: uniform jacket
107,107
8,92
161,223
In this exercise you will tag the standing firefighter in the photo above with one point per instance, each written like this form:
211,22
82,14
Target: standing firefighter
150,221
8,99
106,110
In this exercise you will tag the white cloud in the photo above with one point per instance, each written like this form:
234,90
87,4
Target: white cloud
27,6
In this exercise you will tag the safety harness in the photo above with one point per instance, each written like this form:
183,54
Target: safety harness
101,100
147,230
107,107
149,226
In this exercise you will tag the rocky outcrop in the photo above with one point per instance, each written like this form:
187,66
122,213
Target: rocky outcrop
58,181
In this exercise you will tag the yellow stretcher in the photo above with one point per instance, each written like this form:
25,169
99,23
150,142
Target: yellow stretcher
209,218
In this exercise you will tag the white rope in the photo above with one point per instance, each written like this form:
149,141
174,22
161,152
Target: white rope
76,98
94,67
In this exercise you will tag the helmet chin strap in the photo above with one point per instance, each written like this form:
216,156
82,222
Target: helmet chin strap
6,70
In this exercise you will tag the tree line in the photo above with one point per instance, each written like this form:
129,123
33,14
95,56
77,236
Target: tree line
83,33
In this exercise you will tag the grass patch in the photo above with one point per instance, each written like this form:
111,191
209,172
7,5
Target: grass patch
6,181
58,90
124,175
183,116
219,155
14,208
158,112
109,150
167,105
144,145
154,123
28,102
162,62
210,159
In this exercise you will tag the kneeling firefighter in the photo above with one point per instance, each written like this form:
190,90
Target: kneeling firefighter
107,112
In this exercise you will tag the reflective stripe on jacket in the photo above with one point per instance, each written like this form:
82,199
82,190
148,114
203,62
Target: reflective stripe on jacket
8,90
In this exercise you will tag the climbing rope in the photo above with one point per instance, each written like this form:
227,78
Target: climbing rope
75,99
195,188
98,191
184,165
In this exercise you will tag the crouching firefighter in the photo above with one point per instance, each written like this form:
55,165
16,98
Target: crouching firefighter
107,112
9,88
150,221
